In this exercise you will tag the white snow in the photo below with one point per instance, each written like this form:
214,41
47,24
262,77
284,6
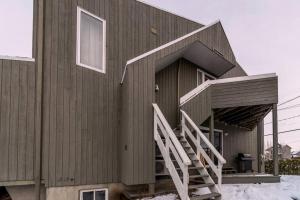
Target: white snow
287,189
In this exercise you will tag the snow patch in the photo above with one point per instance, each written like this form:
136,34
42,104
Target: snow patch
287,189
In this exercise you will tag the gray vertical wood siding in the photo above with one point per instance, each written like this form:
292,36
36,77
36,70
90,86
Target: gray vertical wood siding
174,81
81,109
133,164
94,130
237,140
167,96
245,93
17,90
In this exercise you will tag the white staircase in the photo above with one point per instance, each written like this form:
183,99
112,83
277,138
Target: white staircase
186,160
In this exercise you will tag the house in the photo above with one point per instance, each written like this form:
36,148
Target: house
284,152
296,154
121,96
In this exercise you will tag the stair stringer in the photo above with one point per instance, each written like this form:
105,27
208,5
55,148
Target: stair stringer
203,170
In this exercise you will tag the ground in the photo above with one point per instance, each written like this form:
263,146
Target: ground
287,189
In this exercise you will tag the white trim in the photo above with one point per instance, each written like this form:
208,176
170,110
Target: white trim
203,76
17,58
94,190
187,97
170,43
79,10
165,46
165,10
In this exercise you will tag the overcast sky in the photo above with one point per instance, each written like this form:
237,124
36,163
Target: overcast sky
264,35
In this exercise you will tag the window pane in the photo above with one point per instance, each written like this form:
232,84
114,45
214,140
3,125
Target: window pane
91,41
100,195
88,196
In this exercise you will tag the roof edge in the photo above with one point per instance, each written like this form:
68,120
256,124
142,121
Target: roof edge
165,46
168,11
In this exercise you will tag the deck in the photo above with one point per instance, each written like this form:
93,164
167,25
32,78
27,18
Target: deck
250,178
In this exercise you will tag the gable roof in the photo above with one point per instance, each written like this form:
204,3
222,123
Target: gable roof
208,43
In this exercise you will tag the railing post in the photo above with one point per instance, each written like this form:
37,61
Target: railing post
186,182
198,149
220,166
155,125
182,125
168,151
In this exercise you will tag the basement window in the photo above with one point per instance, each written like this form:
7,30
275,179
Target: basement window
96,194
91,41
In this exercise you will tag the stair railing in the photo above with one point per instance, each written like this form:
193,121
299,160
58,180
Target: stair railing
172,145
217,169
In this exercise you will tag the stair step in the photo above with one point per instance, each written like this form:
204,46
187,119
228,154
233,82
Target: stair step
206,196
198,176
201,185
191,168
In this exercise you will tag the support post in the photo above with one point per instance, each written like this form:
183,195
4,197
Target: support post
260,147
275,140
212,133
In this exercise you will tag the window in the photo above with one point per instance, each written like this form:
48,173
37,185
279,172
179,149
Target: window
203,76
97,194
91,43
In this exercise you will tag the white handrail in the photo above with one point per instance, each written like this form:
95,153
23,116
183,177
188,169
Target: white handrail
173,146
173,137
190,95
200,151
204,138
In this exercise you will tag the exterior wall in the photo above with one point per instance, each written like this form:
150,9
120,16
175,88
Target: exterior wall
73,192
245,93
17,92
187,76
167,96
81,110
174,81
137,113
237,140
137,147
24,192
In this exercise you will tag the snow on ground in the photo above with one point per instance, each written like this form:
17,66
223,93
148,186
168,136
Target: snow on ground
287,189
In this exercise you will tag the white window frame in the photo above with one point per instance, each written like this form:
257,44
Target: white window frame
203,76
94,191
79,11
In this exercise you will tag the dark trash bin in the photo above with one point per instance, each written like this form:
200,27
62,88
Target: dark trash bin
244,162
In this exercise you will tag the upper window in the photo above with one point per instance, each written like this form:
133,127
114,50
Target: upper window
97,194
203,76
90,41
16,25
